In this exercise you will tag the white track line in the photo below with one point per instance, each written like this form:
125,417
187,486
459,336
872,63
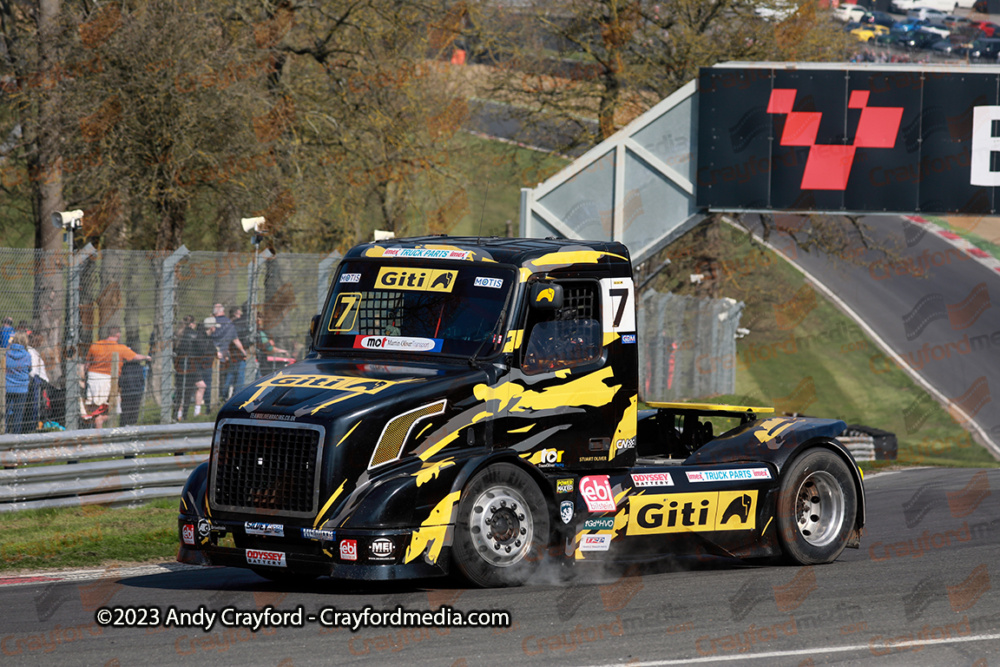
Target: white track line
818,650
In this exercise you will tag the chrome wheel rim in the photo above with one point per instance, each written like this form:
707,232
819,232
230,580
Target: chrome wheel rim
501,525
819,508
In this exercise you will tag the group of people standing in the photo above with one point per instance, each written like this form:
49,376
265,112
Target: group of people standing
25,377
223,337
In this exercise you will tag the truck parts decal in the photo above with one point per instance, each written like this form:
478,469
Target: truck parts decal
696,512
729,475
427,253
415,279
431,534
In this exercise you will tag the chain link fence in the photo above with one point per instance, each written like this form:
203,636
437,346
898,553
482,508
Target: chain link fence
687,346
65,304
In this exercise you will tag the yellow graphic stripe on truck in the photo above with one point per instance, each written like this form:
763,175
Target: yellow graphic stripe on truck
431,534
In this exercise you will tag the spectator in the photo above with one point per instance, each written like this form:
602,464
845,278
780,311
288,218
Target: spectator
230,348
194,353
6,331
237,353
99,359
38,383
269,357
17,379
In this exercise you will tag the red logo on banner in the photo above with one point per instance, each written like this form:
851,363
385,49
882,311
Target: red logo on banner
829,165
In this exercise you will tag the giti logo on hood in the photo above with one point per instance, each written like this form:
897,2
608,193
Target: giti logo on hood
415,279
696,512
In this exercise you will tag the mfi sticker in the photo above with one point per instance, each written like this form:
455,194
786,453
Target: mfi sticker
596,492
397,343
415,279
596,542
694,512
652,479
729,475
272,558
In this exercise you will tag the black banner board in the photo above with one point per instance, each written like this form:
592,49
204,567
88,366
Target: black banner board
843,138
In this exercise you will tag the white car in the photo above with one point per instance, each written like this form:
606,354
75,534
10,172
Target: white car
936,29
848,12
903,6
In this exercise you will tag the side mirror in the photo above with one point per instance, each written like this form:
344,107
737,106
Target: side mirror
313,325
546,296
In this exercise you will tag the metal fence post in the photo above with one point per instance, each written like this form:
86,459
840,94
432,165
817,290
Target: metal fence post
73,360
165,358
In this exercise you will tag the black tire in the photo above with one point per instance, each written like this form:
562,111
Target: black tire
502,529
817,507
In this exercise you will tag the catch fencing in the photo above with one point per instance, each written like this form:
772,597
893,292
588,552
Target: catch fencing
68,303
687,346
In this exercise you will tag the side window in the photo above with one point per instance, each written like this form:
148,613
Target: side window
567,337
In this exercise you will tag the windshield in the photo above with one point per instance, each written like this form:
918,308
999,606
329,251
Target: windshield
401,307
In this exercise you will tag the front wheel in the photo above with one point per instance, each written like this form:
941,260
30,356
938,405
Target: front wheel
502,528
817,505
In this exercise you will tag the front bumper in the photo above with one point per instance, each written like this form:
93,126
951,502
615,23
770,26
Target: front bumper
346,555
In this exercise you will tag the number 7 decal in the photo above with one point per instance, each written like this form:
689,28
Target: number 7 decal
617,305
345,312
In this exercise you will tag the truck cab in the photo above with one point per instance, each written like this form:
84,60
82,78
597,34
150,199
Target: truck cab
472,403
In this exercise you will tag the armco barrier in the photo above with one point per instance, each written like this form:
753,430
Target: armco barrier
121,466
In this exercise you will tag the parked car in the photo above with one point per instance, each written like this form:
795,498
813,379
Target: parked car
946,47
878,18
938,29
891,39
919,39
927,14
904,6
986,27
985,48
849,12
867,32
907,25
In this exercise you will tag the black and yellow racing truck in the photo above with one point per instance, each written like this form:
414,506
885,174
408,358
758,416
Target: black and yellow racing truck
472,403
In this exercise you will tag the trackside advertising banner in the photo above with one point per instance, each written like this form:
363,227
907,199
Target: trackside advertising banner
852,139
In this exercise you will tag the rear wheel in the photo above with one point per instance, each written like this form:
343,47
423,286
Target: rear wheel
502,528
817,505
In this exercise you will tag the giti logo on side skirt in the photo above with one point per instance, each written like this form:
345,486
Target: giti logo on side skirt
695,512
829,165
416,280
